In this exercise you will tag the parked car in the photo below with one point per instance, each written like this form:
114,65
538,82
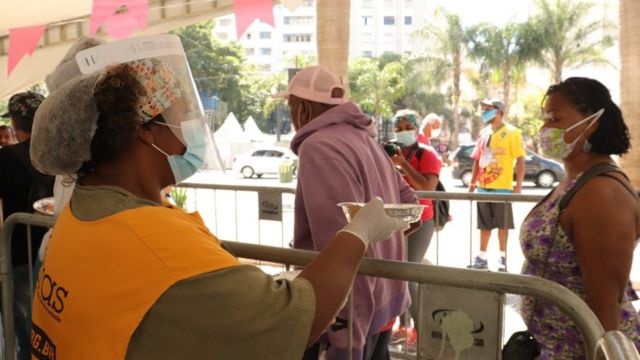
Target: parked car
544,172
263,161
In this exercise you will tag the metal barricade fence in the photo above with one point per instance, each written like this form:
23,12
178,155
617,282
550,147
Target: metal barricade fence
471,198
261,215
598,345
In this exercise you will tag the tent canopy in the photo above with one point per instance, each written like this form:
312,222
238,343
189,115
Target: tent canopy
69,19
252,131
230,131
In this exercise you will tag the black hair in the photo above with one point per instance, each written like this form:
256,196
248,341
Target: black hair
117,96
24,123
589,96
6,127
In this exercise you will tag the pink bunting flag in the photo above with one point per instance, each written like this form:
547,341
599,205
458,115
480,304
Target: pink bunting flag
119,25
249,10
22,41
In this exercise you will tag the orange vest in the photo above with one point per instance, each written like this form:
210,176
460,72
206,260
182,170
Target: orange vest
101,277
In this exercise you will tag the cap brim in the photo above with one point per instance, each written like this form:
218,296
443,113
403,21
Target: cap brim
282,94
486,102
5,115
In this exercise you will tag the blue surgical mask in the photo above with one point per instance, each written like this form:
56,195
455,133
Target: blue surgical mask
185,165
489,115
406,138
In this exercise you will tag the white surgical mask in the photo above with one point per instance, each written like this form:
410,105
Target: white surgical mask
552,142
406,138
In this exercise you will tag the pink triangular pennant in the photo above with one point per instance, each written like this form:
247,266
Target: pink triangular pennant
120,26
105,10
22,41
249,10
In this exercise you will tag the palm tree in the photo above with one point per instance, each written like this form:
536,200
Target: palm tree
332,23
450,49
630,82
505,50
571,41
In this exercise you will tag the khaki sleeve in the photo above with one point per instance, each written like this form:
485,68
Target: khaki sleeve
235,313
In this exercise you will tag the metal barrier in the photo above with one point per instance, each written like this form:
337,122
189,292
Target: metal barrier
272,204
598,345
6,273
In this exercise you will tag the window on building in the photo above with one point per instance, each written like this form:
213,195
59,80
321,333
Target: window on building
298,20
389,20
224,22
367,20
408,20
297,37
307,2
367,53
265,51
248,36
265,67
265,34
249,51
222,36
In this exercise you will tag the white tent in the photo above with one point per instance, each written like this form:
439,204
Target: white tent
253,132
230,130
69,19
231,140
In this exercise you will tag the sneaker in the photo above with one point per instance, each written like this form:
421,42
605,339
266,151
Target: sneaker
502,264
478,264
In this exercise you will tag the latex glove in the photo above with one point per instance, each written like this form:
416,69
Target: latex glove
371,223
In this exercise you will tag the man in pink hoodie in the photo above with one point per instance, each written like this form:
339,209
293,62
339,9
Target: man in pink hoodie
339,161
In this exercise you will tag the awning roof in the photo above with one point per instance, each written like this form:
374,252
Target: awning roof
69,19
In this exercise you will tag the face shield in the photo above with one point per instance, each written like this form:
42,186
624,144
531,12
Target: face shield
160,64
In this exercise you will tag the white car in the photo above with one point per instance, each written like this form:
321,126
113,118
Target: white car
263,161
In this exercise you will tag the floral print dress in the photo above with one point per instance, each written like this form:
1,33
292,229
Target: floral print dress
551,254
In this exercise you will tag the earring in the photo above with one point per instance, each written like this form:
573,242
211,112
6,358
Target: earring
586,146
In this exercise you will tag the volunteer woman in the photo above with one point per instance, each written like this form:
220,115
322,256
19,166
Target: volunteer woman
128,276
421,168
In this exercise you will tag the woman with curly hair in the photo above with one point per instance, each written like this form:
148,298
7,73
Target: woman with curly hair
582,235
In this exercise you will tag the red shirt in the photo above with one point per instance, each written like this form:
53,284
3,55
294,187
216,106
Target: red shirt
429,163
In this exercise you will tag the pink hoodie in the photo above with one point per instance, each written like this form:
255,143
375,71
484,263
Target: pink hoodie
339,161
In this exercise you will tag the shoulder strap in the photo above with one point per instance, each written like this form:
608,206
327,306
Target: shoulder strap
418,152
595,170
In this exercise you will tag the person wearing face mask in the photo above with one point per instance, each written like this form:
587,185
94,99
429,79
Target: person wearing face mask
339,162
583,233
420,166
498,148
429,129
129,276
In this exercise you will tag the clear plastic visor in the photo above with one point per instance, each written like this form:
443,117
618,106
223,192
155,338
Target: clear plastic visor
171,91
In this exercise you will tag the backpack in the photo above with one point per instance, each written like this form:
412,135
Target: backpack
441,207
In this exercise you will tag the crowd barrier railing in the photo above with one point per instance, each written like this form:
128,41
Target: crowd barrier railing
598,345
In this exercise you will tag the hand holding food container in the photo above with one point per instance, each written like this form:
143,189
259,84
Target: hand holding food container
376,221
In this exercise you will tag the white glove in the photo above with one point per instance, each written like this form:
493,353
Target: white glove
371,223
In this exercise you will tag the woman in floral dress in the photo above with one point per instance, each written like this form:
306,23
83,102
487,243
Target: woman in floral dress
587,246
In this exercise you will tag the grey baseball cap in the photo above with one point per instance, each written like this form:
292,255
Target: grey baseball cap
496,103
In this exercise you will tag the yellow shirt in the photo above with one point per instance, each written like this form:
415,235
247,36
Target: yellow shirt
496,152
101,277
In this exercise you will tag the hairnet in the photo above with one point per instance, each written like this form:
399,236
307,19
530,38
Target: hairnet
409,115
68,67
64,126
